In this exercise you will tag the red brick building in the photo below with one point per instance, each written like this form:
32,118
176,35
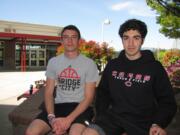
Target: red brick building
25,46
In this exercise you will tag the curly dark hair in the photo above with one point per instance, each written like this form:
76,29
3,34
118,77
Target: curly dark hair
71,27
133,24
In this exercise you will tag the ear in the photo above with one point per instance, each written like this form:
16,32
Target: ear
79,41
142,41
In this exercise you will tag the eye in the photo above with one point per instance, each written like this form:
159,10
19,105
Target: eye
74,37
125,37
137,37
65,37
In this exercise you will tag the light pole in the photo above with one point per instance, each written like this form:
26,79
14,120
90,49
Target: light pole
105,22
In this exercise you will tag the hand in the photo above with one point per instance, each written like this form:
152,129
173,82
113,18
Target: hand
61,125
65,122
157,130
57,128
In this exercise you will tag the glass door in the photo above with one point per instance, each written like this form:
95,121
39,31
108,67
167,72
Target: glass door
37,57
33,57
41,57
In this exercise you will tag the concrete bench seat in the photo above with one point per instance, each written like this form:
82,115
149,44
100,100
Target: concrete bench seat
23,114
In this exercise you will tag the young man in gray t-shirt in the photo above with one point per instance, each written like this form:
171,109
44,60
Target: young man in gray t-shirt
75,77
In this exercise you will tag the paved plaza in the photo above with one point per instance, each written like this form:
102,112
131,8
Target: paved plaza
15,83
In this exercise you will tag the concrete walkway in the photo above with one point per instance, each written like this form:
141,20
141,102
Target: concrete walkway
15,83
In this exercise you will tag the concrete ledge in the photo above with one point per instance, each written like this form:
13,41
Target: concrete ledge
23,114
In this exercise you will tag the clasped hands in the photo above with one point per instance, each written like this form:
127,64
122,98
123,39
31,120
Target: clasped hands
60,125
157,130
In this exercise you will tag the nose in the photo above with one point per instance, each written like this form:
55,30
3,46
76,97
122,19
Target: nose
131,42
69,39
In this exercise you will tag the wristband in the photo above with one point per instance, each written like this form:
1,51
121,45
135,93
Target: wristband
51,118
154,125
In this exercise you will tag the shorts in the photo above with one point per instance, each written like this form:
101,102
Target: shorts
106,125
64,109
109,124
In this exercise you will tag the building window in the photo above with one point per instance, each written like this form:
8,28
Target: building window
51,51
1,54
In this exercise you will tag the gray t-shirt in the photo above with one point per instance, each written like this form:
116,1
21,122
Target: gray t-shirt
71,76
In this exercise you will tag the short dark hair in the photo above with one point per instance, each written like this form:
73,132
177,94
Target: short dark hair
133,24
71,27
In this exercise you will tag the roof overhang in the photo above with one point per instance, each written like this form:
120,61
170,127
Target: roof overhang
29,37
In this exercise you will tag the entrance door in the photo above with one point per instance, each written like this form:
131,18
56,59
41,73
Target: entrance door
37,58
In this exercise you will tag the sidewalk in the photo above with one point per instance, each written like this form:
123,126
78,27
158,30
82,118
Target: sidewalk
15,83
6,106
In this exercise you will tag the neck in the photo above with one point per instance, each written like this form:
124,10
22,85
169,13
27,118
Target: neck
133,57
71,55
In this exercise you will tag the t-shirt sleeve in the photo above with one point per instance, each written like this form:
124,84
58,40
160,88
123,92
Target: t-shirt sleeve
92,72
50,70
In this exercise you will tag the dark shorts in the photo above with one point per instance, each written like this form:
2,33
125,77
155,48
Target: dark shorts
64,109
109,124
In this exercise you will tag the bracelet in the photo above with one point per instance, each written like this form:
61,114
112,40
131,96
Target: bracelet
51,118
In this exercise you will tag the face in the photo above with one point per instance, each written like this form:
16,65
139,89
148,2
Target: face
132,42
70,41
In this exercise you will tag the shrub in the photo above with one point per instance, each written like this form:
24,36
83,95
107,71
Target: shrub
170,57
100,53
171,62
175,78
174,73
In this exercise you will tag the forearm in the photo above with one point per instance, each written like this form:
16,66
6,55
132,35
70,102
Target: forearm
49,104
83,105
165,114
102,101
48,96
165,99
166,110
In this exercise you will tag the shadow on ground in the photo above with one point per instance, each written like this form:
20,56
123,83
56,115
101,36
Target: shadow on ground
174,127
5,124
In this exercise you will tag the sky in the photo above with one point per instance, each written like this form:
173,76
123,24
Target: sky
89,17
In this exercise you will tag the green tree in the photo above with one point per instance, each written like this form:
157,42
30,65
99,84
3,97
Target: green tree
168,16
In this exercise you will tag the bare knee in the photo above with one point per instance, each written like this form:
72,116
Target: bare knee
90,131
37,127
76,129
30,132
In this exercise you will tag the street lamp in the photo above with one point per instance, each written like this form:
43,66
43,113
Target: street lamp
105,22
